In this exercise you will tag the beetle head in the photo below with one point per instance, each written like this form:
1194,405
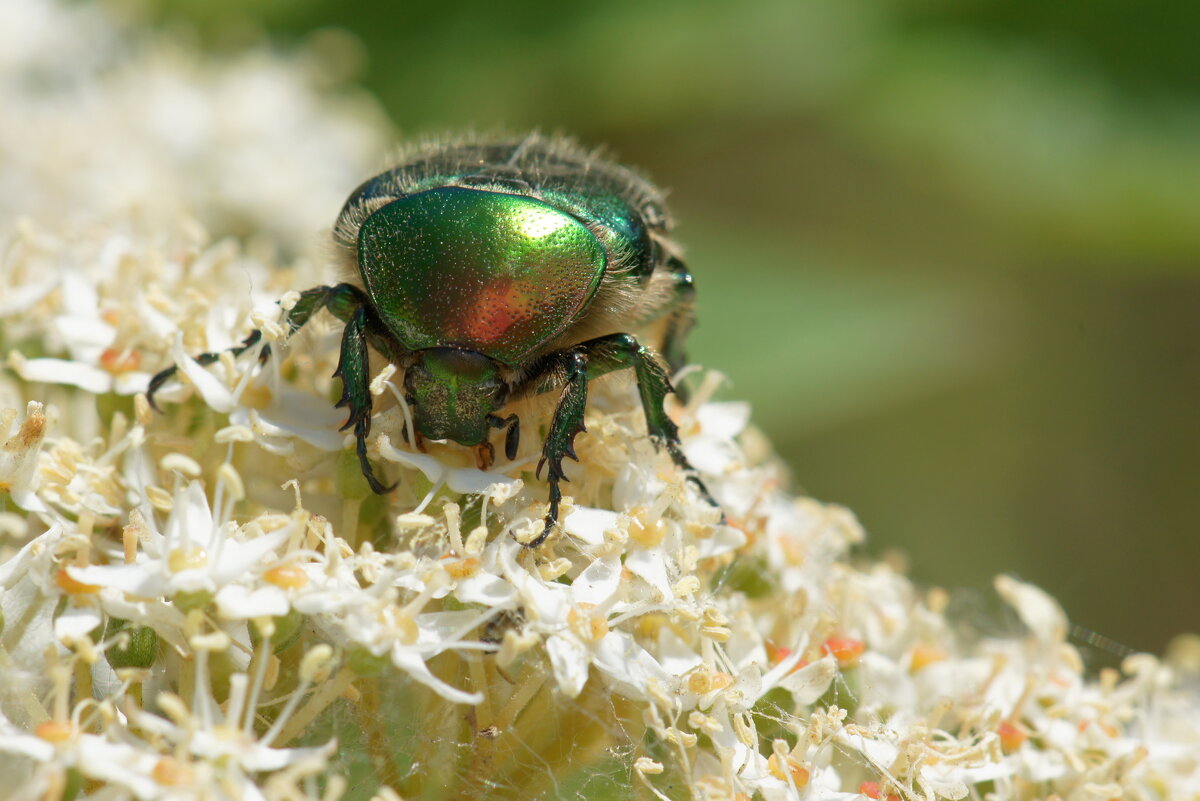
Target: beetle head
453,391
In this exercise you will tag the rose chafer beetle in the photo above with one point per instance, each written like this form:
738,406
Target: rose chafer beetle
488,271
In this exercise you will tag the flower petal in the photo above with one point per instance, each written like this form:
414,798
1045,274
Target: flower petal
629,665
1041,613
75,622
215,394
811,681
191,522
62,371
26,745
569,660
141,579
235,602
589,524
598,582
408,660
237,557
486,589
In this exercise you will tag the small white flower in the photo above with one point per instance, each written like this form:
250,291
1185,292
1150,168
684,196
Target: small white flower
408,638
463,480
193,554
19,456
574,620
288,413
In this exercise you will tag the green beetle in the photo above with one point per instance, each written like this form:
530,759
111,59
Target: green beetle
492,270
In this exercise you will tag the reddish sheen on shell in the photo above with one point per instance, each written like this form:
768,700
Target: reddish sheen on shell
491,272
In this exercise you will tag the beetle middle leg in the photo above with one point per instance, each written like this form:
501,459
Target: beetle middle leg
205,359
341,298
348,303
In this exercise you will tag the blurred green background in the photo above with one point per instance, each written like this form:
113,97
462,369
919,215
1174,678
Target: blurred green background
949,250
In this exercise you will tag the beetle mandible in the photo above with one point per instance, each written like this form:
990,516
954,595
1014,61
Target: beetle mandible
491,270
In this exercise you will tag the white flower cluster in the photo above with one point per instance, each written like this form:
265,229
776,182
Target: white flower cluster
102,119
211,604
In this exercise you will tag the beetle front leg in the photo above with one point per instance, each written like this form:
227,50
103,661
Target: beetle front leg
354,368
560,441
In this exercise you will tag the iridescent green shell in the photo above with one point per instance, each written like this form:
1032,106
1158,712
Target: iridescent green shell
623,211
496,273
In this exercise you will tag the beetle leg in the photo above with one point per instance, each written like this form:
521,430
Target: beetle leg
668,300
349,304
205,359
618,351
564,427
341,300
512,440
353,368
574,368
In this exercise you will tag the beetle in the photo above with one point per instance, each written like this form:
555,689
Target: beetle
494,269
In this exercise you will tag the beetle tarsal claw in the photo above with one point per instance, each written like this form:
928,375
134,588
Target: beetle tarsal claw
377,487
551,522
